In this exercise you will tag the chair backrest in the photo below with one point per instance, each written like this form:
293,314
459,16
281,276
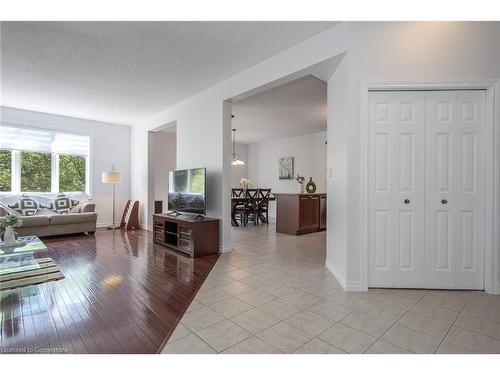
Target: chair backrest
236,193
251,195
264,195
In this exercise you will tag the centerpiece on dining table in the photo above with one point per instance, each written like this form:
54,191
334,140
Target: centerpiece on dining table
245,183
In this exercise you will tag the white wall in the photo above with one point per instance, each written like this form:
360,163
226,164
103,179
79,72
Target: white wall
381,51
164,162
239,171
309,153
110,144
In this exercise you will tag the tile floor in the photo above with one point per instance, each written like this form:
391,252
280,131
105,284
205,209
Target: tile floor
273,294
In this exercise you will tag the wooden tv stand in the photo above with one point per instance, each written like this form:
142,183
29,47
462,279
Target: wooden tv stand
185,233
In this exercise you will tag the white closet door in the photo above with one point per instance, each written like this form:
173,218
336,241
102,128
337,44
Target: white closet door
396,189
455,189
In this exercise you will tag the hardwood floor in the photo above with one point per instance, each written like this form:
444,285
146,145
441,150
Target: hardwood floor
121,294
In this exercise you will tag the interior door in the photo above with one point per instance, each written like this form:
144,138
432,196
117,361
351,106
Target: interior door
455,189
396,189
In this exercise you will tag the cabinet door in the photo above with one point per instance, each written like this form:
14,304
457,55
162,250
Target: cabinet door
314,212
322,212
305,218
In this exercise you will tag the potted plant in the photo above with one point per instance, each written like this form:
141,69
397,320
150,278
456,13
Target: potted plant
9,222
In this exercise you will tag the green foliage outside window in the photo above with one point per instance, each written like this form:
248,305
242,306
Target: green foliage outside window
5,170
71,173
197,182
35,171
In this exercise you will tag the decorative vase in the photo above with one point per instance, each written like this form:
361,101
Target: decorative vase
9,237
301,187
311,186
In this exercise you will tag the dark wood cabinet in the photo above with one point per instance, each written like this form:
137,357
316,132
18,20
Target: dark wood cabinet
300,213
194,237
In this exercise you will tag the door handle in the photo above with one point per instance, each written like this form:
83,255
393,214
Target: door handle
406,201
444,201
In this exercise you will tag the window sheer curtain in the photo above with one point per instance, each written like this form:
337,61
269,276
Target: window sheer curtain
41,140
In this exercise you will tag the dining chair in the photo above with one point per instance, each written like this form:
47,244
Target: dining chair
251,206
263,205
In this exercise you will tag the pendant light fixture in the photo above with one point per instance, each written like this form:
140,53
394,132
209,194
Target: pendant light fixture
236,160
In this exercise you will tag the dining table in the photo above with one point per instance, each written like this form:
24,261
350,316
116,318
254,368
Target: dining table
240,200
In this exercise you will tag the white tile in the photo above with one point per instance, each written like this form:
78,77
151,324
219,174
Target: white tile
200,318
331,310
473,341
284,337
252,345
281,308
482,326
256,297
190,344
435,312
380,310
384,347
413,341
222,335
255,320
317,346
231,306
235,288
365,323
301,297
422,324
179,332
347,338
448,347
450,300
310,322
350,299
211,296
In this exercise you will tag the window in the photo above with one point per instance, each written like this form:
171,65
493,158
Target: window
35,171
71,173
34,160
5,170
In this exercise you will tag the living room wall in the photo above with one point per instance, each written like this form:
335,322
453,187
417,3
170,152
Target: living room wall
110,144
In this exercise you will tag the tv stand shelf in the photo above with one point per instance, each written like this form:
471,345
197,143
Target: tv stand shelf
187,234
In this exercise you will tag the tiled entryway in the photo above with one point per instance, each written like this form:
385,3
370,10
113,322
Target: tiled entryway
273,294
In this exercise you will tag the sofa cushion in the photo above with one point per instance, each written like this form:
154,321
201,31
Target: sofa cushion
73,218
35,221
26,206
5,210
62,204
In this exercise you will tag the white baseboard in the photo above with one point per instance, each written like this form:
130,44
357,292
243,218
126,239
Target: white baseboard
347,286
225,249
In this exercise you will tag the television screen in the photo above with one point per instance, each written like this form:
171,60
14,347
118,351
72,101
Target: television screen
186,191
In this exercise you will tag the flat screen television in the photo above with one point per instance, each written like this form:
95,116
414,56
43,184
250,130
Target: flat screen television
186,191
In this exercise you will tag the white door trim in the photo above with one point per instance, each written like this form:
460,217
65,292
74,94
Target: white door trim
492,172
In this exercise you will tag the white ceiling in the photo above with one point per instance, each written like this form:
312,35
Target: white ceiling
295,108
123,72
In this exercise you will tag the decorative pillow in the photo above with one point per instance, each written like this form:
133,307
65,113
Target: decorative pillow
26,206
62,204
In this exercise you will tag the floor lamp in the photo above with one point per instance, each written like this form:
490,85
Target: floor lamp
114,178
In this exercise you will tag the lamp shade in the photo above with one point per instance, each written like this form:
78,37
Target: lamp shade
111,177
